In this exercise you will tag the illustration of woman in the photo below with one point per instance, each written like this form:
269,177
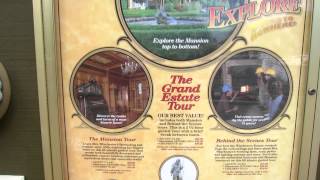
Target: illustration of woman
176,170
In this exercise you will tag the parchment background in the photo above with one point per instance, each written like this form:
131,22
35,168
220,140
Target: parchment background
89,25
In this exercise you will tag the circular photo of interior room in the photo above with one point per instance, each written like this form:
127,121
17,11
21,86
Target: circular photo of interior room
111,90
178,168
250,90
181,30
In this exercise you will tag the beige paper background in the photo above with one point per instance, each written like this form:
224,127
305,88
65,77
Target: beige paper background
86,25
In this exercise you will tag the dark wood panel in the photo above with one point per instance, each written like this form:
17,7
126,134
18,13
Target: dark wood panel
20,137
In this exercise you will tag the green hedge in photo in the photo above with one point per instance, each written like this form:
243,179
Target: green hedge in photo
139,13
152,13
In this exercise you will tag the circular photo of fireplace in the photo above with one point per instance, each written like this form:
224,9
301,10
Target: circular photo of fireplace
111,90
180,30
250,89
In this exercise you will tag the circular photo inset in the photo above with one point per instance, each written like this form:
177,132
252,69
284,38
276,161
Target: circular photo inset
111,90
250,89
178,168
180,30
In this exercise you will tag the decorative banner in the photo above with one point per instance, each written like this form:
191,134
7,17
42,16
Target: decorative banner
183,89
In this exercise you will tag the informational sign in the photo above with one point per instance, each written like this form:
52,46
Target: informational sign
183,89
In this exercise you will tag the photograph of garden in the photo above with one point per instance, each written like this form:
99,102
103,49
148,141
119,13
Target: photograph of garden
176,29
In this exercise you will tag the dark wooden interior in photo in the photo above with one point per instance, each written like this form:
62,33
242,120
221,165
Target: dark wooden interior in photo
124,94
